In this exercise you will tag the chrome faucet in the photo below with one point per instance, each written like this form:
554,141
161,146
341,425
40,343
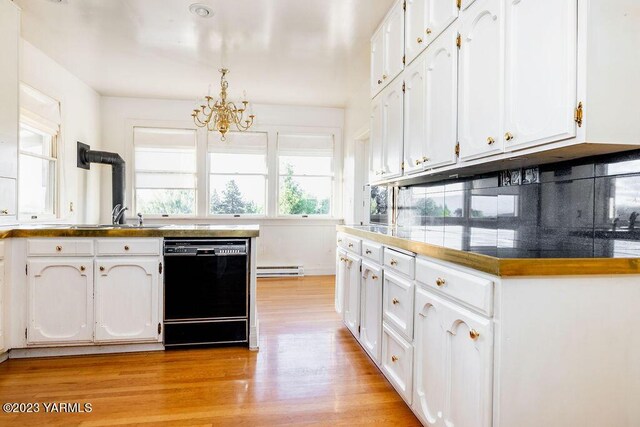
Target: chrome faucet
140,220
117,213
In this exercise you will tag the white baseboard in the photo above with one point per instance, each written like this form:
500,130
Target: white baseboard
254,336
321,271
4,356
23,353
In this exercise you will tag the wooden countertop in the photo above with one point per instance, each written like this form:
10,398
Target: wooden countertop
504,267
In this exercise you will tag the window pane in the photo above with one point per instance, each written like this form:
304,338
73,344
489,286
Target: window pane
237,194
305,195
167,180
36,185
304,165
221,163
170,202
34,141
166,160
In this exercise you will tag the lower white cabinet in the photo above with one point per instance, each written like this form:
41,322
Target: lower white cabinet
127,302
2,307
453,359
371,310
352,293
397,362
60,300
341,269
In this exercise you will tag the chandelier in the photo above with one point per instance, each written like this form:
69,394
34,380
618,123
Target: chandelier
220,115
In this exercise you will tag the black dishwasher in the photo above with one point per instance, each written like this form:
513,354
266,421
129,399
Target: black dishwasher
206,292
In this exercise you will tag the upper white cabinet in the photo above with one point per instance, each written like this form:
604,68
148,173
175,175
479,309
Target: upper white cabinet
352,294
8,204
387,63
425,21
371,310
127,303
375,139
60,300
9,41
540,71
481,80
392,129
415,114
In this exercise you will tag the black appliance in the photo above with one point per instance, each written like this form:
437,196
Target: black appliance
206,292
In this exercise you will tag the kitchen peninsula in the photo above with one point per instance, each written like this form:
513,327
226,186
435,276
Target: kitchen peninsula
85,289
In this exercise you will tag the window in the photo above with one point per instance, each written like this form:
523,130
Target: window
238,174
305,167
165,171
38,154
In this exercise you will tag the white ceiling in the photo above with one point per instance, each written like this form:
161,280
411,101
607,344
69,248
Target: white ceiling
279,51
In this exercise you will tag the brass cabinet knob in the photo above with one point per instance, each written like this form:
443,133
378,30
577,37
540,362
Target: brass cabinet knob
425,159
101,268
350,245
58,248
440,281
395,301
393,262
490,140
367,251
339,240
428,31
384,77
473,334
4,212
394,358
419,39
126,247
508,136
374,277
82,268
379,81
418,162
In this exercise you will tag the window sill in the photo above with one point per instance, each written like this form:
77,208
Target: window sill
260,220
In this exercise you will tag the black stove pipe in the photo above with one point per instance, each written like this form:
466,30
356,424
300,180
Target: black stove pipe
86,156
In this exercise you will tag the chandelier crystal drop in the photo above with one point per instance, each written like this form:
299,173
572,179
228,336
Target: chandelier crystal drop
221,114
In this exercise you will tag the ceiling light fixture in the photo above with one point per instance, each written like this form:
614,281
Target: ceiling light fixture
220,115
201,10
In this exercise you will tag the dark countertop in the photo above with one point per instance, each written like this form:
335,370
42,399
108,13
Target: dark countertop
498,252
90,230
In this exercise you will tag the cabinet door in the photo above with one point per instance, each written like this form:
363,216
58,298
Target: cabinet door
371,310
341,269
429,384
439,15
127,300
441,100
375,138
9,40
481,80
415,124
352,294
392,140
393,43
414,30
540,71
60,298
377,61
469,368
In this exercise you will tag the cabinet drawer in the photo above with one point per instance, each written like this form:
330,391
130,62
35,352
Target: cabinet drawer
470,290
400,262
397,303
136,246
373,251
349,243
397,362
59,247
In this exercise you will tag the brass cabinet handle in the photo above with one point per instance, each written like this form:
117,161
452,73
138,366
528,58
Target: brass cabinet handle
126,247
425,159
394,358
508,136
58,248
379,81
418,162
473,334
393,262
419,39
374,277
4,212
490,140
367,251
395,301
440,281
82,268
428,31
101,268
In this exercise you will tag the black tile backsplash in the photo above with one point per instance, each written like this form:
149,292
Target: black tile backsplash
577,207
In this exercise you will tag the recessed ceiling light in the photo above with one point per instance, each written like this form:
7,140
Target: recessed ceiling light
201,10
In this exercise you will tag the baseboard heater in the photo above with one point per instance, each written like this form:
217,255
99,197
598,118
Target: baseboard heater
280,271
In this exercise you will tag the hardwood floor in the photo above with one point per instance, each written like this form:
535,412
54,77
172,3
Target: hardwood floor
309,370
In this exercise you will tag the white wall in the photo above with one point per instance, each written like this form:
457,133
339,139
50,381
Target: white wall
306,242
80,108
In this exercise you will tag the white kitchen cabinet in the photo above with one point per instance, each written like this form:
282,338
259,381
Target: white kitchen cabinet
341,269
2,307
127,299
9,42
397,303
377,61
397,362
540,71
352,293
454,363
387,49
415,123
8,204
425,21
375,140
371,310
60,300
481,76
392,129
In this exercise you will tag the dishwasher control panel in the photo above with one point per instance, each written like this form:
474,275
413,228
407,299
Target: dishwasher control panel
205,247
